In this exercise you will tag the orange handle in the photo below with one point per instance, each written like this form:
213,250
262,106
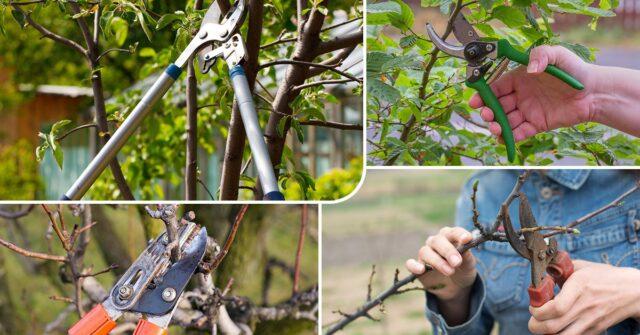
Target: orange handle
145,327
96,322
542,294
561,268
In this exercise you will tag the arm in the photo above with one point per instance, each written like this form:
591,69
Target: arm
616,101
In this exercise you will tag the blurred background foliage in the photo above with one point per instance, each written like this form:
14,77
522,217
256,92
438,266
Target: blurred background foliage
418,114
267,232
385,223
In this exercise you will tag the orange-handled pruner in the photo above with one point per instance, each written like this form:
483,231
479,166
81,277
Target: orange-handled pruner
151,286
542,253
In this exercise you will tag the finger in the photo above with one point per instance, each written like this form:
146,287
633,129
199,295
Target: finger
448,251
495,128
515,117
578,327
476,101
486,114
508,102
524,131
541,56
457,235
553,326
564,303
429,256
415,267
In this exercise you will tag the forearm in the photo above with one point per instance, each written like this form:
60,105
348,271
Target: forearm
616,98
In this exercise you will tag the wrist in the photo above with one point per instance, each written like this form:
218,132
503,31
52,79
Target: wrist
602,95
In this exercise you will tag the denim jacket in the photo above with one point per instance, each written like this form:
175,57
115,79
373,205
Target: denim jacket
557,197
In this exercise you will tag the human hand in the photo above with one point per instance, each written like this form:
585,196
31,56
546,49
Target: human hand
454,273
535,101
595,297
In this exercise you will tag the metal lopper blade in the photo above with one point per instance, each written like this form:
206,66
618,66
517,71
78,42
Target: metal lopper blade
213,15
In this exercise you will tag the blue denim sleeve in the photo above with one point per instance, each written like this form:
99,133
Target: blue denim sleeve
479,322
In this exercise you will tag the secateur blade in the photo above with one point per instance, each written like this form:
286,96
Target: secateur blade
450,49
463,30
512,237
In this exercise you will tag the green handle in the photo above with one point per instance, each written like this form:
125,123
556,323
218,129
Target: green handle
491,101
506,50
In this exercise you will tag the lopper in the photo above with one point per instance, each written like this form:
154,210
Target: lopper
480,54
151,287
542,253
217,38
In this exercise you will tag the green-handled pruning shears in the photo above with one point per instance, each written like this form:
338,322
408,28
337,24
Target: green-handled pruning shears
476,51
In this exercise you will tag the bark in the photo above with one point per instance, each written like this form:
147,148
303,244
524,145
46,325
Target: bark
191,168
307,48
234,150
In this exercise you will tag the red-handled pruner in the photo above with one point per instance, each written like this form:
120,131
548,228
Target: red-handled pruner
542,252
151,287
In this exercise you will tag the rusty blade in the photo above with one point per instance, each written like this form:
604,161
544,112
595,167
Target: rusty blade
463,30
512,237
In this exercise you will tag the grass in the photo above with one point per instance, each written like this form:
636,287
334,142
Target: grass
392,200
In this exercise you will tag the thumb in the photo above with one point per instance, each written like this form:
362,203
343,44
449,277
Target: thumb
541,56
415,267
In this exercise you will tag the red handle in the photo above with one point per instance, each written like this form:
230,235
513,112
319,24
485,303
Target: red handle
145,327
542,294
561,268
96,322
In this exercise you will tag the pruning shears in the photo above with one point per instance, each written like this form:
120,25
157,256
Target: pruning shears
151,287
217,38
480,54
542,253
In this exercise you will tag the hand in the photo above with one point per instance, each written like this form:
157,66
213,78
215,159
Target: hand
596,297
454,273
535,101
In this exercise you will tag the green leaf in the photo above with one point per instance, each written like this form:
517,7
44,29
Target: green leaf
59,156
404,19
58,126
19,17
430,3
120,29
511,16
378,13
41,151
408,41
380,90
147,52
295,124
375,60
166,19
487,4
580,50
